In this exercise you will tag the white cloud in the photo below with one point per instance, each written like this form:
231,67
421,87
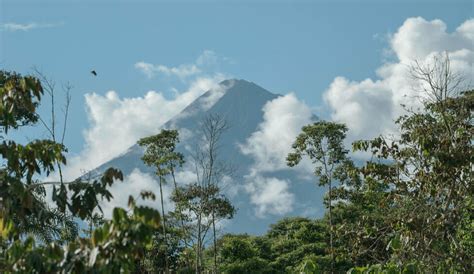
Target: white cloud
283,119
181,71
270,195
132,185
356,103
369,107
206,59
215,94
417,38
117,123
12,27
186,175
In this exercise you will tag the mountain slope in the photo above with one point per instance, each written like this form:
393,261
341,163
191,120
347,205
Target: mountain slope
240,103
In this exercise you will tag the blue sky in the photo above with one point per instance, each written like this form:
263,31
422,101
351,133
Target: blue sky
284,46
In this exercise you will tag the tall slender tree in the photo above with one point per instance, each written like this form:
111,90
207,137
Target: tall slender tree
198,205
322,142
160,153
203,199
213,168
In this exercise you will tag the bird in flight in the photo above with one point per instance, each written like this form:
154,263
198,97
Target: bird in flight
94,73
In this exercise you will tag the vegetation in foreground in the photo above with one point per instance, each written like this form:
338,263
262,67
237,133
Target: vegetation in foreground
407,210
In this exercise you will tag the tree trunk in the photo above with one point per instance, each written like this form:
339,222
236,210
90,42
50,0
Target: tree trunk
164,227
215,241
188,263
330,227
198,248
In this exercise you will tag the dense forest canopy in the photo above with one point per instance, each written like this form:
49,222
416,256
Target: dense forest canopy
409,208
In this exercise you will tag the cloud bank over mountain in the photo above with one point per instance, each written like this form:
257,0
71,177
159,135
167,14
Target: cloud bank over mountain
117,123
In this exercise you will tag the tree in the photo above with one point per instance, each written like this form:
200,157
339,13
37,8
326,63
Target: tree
427,176
176,243
197,204
362,228
292,245
21,201
211,171
212,168
294,240
429,181
160,153
322,142
49,87
241,254
113,247
435,81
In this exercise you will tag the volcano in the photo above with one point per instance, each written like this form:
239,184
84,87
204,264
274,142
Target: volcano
241,104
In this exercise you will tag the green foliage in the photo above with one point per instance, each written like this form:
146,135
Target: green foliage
290,245
390,268
427,179
160,152
195,205
115,246
362,229
322,142
19,98
252,265
241,254
410,209
237,248
294,239
85,195
202,201
21,200
174,249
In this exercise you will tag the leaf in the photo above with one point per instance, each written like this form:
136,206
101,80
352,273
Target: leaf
118,214
395,243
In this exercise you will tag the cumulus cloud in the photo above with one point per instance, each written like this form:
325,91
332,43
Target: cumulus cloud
417,38
132,185
270,196
206,59
12,27
117,123
366,107
369,107
283,119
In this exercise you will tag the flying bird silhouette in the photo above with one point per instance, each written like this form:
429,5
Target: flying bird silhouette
94,73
